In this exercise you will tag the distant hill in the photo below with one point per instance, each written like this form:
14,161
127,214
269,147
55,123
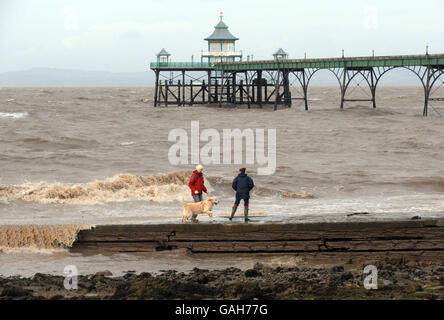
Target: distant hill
51,77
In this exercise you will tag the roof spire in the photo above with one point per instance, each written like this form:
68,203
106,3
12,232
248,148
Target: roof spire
221,32
221,15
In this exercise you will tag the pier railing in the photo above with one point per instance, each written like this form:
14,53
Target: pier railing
176,65
327,63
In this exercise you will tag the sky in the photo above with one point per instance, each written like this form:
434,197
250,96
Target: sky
124,36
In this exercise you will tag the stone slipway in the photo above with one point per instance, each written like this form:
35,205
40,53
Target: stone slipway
412,237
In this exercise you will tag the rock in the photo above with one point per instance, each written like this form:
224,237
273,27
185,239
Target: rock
346,276
258,266
105,273
337,269
15,292
252,273
130,276
386,283
248,291
202,279
197,270
415,218
122,291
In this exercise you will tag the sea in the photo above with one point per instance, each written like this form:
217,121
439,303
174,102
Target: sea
75,158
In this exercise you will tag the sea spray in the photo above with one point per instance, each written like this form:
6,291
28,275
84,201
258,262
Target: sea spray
121,187
38,238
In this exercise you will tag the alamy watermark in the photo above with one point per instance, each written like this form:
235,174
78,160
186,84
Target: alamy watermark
371,281
71,277
223,149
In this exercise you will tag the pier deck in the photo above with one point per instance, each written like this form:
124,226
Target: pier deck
328,63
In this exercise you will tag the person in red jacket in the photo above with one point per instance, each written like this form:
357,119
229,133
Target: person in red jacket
196,184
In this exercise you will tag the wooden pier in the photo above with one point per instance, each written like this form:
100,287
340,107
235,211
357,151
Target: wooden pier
322,239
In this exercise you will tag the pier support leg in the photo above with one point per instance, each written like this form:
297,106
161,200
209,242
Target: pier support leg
373,87
427,90
209,88
287,93
191,93
166,93
343,87
179,88
228,88
156,88
259,87
216,93
233,90
248,89
183,88
276,89
241,92
305,89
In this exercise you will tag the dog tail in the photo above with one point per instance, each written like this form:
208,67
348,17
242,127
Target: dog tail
180,199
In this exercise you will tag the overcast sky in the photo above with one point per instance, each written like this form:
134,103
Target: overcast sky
125,35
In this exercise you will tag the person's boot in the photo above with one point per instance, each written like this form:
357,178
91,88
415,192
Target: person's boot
233,211
246,214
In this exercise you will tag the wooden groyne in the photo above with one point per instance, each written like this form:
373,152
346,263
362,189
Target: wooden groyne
413,236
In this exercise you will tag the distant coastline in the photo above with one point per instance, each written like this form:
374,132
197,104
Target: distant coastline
53,77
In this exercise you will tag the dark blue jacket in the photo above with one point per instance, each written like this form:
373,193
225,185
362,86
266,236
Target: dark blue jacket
242,184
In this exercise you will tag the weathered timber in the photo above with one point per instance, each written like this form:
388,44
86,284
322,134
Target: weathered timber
382,236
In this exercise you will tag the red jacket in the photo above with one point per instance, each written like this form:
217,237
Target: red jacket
197,183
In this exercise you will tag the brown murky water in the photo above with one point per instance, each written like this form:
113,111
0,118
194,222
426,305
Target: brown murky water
100,155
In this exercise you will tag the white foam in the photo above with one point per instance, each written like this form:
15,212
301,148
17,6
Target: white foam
14,115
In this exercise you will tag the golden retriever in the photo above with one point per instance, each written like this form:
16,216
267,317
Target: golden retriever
191,210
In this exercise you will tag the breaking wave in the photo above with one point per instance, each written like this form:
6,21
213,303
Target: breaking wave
13,115
38,238
121,187
263,191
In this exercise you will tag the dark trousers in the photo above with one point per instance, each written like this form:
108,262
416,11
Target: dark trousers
239,198
197,197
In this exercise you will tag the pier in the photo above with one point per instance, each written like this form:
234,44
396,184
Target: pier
222,77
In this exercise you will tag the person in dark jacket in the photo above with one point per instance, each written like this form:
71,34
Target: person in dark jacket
197,184
242,184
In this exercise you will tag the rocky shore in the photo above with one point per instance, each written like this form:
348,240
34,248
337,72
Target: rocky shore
396,280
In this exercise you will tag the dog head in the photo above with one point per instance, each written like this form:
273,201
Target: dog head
213,200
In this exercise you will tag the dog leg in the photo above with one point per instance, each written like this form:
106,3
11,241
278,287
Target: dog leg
210,214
